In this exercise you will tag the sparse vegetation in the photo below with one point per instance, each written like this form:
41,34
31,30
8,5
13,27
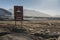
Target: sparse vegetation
32,26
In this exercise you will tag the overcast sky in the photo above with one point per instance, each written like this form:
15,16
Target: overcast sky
51,7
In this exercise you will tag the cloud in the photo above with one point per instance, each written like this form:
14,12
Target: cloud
50,12
50,7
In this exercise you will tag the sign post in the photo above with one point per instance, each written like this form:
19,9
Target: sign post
18,14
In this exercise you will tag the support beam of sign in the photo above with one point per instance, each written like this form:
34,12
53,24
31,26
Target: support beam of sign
18,14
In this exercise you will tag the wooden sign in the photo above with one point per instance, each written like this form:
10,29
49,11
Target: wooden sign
18,13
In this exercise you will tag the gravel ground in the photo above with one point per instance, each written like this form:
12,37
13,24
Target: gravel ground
15,36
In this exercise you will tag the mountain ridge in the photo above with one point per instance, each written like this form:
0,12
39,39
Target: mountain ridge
33,13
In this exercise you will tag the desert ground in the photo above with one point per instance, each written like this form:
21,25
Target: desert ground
31,27
33,24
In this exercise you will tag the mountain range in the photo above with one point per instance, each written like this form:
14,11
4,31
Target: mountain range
28,15
33,13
